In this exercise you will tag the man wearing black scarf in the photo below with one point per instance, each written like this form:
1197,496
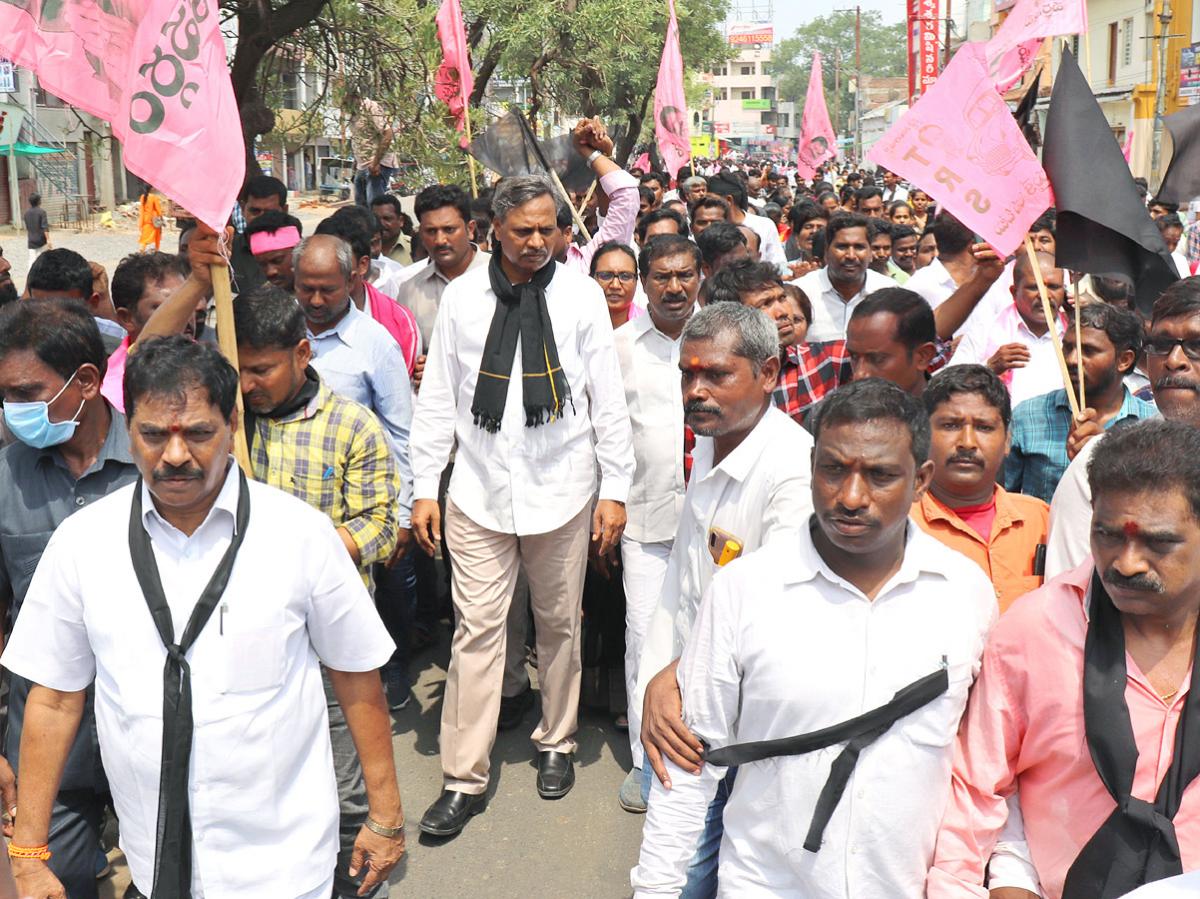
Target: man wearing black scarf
1088,701
522,376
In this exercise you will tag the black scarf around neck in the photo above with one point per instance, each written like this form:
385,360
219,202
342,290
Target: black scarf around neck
308,390
520,312
173,842
1136,845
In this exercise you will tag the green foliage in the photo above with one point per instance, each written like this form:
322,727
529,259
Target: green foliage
883,55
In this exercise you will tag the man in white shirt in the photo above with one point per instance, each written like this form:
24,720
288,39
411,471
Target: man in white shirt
531,430
733,192
857,622
648,347
1016,343
845,280
892,188
1173,363
748,481
186,674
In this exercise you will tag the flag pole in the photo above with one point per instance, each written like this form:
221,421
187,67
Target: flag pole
227,341
1048,311
470,158
587,198
1079,351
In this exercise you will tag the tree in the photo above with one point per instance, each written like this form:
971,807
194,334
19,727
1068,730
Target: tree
884,48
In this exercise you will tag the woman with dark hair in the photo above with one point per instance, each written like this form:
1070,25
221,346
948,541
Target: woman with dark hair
614,268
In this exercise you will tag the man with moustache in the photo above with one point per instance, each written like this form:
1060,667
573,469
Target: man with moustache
845,280
964,507
1088,702
1172,348
832,667
531,432
745,487
648,349
219,597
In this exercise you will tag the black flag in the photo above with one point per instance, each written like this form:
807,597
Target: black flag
509,148
1103,226
1181,183
1026,120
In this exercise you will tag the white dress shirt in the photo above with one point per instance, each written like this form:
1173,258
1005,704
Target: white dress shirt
359,360
762,486
935,283
264,807
387,275
523,480
1041,374
650,369
770,247
892,194
1070,539
831,313
783,646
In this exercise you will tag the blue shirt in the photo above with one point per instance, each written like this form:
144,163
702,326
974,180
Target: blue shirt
1040,426
359,359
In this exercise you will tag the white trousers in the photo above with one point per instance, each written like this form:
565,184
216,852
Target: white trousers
644,568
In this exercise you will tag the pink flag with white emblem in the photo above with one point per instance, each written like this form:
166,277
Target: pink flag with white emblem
670,106
818,143
1019,37
156,71
454,81
961,143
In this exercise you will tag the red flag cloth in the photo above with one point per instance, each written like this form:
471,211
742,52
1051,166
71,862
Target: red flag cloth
454,80
156,71
818,143
671,131
961,144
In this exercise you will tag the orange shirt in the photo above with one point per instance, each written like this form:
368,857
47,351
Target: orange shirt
1021,523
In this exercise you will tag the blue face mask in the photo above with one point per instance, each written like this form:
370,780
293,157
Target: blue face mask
30,422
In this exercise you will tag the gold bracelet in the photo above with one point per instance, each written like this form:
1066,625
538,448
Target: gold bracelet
41,853
389,832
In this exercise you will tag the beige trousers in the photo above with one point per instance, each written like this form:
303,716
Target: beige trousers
485,566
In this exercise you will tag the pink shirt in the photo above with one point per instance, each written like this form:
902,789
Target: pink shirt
621,188
1024,728
113,388
399,322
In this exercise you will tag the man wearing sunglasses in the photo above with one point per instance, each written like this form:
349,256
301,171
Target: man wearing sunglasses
1173,364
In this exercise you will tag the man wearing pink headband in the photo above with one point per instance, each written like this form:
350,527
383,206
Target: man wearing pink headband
272,237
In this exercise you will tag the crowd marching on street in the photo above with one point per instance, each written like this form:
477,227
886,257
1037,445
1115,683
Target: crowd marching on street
870,507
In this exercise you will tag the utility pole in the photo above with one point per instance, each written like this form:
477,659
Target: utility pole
837,89
858,87
1160,94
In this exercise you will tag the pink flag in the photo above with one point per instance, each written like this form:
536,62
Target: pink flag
1017,40
643,162
454,80
1128,148
818,143
155,70
961,144
670,106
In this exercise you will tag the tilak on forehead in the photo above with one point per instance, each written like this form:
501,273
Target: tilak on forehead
1131,528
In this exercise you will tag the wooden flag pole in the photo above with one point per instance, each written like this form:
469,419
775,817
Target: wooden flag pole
587,198
470,158
1048,311
1079,351
227,340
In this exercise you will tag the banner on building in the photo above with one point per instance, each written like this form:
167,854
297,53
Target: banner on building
8,77
924,48
741,34
703,146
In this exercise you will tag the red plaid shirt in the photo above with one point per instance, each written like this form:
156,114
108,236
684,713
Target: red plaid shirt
810,371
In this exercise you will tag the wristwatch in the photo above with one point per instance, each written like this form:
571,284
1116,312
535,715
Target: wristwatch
390,832
591,160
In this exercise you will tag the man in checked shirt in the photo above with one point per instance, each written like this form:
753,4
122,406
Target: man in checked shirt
808,371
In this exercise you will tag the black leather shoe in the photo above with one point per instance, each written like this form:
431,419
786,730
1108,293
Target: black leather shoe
450,813
513,708
556,774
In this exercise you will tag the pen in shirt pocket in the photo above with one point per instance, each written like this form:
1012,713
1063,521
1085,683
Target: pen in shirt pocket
221,620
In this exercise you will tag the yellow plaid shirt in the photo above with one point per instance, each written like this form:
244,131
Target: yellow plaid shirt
334,455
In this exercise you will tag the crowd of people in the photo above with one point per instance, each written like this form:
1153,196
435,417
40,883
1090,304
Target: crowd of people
788,464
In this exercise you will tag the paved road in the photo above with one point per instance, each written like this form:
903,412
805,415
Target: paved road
578,847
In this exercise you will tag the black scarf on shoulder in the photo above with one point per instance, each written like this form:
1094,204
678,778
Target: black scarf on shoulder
520,312
308,390
1136,845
